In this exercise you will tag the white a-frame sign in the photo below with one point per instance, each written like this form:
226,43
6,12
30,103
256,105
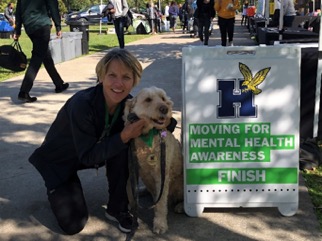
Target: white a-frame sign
241,127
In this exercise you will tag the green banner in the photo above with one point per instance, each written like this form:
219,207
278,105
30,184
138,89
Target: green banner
208,176
235,142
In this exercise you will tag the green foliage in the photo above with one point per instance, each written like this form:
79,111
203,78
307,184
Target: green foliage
72,5
62,7
4,3
313,180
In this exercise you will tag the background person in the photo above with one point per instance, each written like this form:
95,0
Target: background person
8,14
244,14
289,13
152,16
89,132
226,11
34,15
119,18
186,14
167,17
205,14
173,13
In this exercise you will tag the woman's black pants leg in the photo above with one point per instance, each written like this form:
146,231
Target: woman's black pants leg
68,205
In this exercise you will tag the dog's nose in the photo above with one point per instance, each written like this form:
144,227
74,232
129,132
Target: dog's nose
163,109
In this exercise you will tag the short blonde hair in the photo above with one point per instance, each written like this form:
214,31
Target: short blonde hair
126,58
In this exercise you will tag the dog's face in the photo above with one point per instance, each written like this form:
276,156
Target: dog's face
153,105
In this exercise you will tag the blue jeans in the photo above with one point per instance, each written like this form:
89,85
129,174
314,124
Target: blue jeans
40,54
119,29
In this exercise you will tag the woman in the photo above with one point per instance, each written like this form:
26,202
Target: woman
205,14
226,11
289,13
244,20
152,17
173,13
89,132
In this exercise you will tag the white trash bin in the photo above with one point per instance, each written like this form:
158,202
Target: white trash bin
68,46
55,47
77,36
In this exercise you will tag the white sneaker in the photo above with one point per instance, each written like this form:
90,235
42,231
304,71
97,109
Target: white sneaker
231,43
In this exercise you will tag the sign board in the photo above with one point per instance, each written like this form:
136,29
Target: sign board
241,114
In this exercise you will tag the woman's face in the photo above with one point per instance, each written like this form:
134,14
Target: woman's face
117,83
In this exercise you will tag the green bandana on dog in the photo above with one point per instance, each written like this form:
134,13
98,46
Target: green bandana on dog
148,138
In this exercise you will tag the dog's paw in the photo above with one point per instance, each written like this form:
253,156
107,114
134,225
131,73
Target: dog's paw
159,227
179,208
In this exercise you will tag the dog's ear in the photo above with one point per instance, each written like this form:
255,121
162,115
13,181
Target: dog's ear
170,102
128,108
167,98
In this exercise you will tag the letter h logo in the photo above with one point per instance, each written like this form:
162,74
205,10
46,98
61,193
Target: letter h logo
233,103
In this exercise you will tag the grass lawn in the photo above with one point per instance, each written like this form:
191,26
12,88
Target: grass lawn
97,42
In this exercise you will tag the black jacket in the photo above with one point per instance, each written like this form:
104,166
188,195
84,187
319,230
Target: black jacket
73,140
35,14
205,10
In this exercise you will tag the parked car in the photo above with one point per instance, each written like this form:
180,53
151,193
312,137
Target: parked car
93,15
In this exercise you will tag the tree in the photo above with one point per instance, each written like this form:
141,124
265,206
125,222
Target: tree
4,3
62,7
79,4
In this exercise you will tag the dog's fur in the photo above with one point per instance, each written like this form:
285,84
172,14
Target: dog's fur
153,105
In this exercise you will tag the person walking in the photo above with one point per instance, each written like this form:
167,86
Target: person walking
167,17
173,13
205,14
119,18
244,20
289,13
186,14
34,15
226,11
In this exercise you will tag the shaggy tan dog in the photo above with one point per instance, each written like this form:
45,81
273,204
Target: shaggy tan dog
155,106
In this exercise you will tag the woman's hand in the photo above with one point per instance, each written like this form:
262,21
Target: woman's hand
132,130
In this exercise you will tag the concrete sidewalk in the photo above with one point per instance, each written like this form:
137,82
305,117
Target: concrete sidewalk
25,214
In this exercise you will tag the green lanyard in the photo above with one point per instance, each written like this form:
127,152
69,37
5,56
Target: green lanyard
108,124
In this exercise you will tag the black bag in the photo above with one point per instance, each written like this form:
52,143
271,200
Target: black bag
140,29
310,154
128,19
12,57
107,10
